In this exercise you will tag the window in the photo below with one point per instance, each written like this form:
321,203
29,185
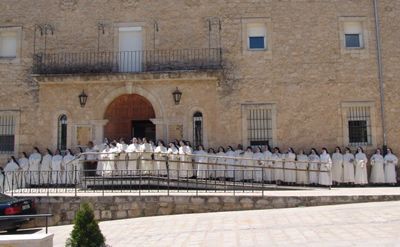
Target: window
256,36
259,125
7,133
8,43
359,125
353,35
198,128
62,132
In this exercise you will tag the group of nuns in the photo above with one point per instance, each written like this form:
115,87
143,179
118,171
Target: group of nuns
259,164
38,169
179,160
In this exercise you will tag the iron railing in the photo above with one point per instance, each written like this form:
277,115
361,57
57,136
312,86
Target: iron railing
127,61
160,173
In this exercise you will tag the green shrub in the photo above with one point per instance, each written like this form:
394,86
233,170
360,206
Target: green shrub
86,232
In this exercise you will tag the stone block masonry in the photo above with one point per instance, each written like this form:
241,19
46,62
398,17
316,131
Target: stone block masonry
106,208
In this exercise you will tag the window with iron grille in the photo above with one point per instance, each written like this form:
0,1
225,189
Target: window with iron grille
7,133
259,125
62,132
198,128
359,125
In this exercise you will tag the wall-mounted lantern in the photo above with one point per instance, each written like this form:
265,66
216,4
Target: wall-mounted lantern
177,96
83,98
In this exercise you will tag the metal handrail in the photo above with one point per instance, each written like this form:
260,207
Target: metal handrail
10,217
127,61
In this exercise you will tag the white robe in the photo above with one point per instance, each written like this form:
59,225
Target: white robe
239,169
202,169
185,166
391,162
348,168
46,169
268,172
68,167
302,166
314,168
337,167
12,176
102,164
290,166
146,163
212,159
220,167
56,173
25,177
325,176
361,176
377,171
34,168
230,164
278,167
120,162
173,162
113,156
258,162
160,160
248,164
133,151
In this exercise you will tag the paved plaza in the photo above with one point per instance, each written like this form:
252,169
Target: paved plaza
368,224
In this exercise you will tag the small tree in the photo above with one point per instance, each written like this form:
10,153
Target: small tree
86,232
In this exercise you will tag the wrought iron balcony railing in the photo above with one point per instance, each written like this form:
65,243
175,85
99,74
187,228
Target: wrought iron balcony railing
127,61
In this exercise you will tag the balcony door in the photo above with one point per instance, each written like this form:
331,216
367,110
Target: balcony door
130,49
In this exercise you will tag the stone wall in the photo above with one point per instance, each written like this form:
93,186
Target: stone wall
122,207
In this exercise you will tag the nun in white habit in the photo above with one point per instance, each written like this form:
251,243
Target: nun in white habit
377,171
302,166
34,166
313,159
185,157
325,176
133,151
201,160
348,167
68,167
258,158
24,164
361,176
248,164
104,160
56,172
220,166
212,160
239,169
337,166
146,164
278,166
11,175
121,163
391,162
268,173
290,167
113,156
230,163
173,158
160,153
45,171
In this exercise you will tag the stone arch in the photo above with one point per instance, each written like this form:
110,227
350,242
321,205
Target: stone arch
108,97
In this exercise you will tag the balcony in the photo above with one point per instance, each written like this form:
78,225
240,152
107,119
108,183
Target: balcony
127,62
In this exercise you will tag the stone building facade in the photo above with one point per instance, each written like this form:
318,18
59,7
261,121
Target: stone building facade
299,73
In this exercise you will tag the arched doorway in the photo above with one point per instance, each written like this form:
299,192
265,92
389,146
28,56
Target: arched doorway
129,116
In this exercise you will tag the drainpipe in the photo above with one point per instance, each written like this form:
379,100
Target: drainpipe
380,72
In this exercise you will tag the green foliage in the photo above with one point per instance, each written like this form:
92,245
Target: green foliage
86,232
